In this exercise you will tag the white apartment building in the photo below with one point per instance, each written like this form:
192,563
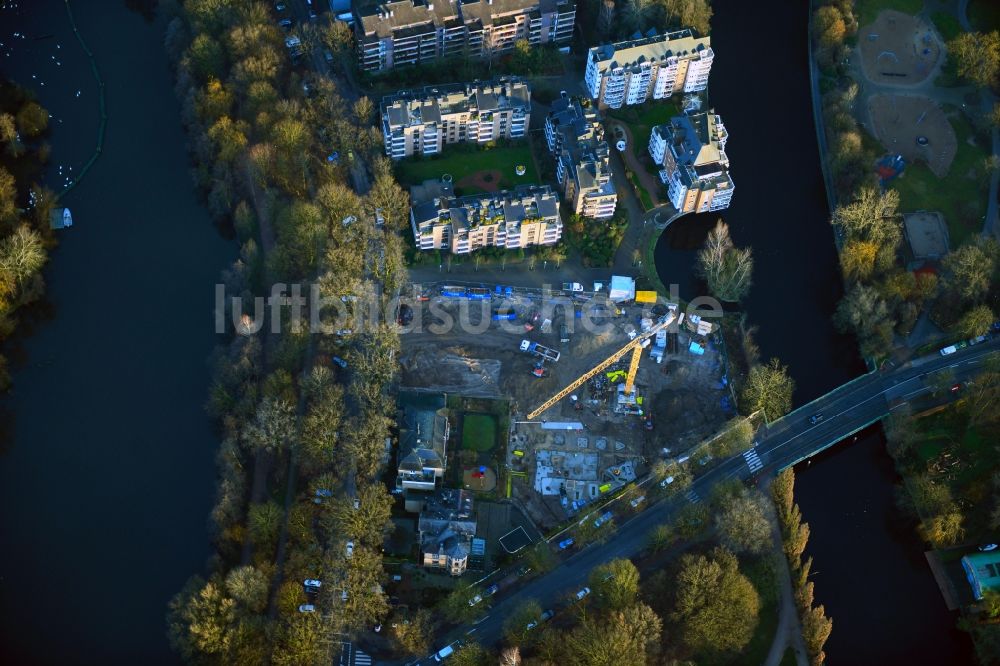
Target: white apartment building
650,68
389,34
575,137
422,121
525,216
692,151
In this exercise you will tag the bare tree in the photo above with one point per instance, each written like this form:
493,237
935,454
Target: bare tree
726,268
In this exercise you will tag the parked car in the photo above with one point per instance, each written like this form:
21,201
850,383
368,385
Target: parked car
475,600
637,501
816,418
603,518
323,492
566,543
312,582
350,549
524,571
307,608
492,589
286,23
666,482
987,547
547,615
582,593
339,361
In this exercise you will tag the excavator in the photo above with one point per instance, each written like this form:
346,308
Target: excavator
635,346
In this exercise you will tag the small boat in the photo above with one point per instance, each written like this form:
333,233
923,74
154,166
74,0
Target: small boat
60,218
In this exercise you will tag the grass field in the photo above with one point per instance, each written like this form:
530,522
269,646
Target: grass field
867,10
462,161
479,432
958,196
761,573
947,25
984,15
641,120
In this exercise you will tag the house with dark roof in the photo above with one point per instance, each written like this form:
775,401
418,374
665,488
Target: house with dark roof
423,441
446,529
692,151
575,137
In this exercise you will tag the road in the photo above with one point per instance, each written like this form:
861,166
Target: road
793,438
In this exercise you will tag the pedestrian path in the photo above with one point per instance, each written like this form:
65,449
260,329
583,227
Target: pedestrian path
753,460
362,659
692,497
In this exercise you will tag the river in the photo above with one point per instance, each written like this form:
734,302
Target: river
870,571
107,479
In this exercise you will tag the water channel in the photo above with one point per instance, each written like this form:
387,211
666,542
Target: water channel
870,571
107,477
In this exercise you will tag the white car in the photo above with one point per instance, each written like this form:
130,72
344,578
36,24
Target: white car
475,600
637,501
357,503
350,549
987,547
666,482
307,608
312,582
582,593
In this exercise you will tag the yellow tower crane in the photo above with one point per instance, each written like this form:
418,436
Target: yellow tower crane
634,346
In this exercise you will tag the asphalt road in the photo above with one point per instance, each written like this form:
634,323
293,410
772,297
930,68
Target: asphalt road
845,410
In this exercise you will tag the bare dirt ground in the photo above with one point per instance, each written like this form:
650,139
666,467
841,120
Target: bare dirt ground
488,181
916,128
898,49
483,358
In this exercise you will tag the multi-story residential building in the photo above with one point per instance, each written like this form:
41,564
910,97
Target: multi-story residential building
403,32
575,137
692,150
446,528
422,121
650,68
525,216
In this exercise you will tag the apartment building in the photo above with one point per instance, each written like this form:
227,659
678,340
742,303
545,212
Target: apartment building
422,121
654,67
389,34
525,216
575,137
446,528
692,151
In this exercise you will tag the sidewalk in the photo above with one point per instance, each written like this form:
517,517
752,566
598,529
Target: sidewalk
789,630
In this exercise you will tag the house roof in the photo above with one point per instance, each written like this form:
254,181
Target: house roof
657,48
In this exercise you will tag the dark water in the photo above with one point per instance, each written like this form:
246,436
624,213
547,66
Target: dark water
107,482
872,576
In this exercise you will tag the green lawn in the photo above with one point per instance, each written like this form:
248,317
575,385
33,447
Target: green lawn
641,120
984,15
464,160
479,432
958,196
947,25
867,10
761,573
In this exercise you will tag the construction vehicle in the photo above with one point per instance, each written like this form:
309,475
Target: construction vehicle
539,350
547,326
628,388
539,370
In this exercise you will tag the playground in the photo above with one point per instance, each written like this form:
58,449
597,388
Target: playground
916,128
898,49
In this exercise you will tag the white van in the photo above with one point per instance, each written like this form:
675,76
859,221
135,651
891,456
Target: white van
444,653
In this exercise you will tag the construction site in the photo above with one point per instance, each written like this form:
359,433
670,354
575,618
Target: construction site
603,380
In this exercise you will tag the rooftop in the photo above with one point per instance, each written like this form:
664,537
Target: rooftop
447,523
423,432
429,104
657,48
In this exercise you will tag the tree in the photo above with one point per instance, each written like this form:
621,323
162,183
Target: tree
366,603
630,635
471,654
695,14
413,634
264,523
363,109
22,254
975,322
829,26
970,269
456,607
715,606
816,628
510,656
200,620
857,259
945,529
863,312
735,438
515,627
982,394
368,523
977,57
659,538
768,388
743,525
872,217
8,197
302,639
273,426
32,119
615,584
248,586
726,269
783,493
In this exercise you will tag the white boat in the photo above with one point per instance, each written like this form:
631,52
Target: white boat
67,218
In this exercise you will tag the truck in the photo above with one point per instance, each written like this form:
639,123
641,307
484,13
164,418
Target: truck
539,350
572,286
